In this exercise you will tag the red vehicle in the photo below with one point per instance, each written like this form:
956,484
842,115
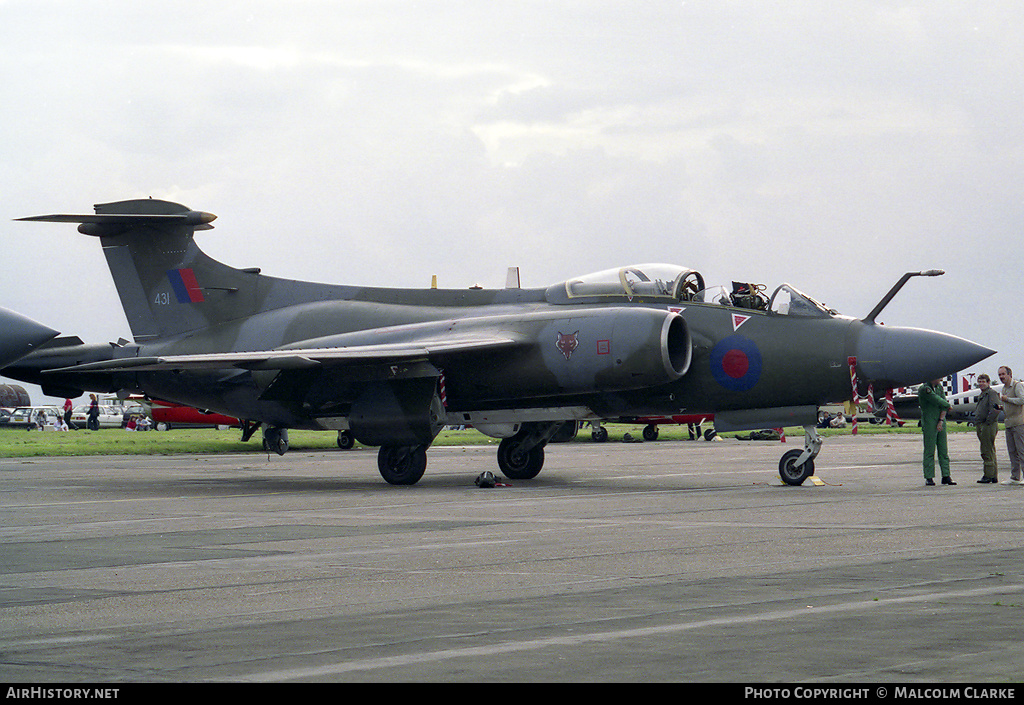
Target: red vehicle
171,414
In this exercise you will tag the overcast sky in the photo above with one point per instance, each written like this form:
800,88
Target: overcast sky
834,146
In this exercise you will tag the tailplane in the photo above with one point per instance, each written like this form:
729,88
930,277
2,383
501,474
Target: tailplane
167,285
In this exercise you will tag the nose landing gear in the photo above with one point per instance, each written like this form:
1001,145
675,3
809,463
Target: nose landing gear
797,465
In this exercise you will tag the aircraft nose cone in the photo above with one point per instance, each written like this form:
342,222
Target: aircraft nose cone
898,357
20,335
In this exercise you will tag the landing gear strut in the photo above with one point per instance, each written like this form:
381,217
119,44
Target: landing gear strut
248,429
797,465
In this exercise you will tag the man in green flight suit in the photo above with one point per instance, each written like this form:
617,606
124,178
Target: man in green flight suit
933,427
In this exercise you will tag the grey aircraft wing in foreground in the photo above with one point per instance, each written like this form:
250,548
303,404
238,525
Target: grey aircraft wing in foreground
390,367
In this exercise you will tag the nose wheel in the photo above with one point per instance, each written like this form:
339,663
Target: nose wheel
797,465
792,472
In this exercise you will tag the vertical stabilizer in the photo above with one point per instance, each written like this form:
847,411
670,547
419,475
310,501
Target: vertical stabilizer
167,285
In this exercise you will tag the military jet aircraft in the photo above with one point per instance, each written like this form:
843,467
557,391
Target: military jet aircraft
392,366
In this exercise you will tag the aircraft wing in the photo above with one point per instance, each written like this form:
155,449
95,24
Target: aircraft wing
298,358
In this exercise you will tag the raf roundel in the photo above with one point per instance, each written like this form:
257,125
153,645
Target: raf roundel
736,363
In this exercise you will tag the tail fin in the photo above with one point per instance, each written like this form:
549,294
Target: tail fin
167,285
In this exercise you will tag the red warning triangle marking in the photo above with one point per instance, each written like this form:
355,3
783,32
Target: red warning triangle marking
738,320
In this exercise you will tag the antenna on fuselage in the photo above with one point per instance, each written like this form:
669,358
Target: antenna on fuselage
512,278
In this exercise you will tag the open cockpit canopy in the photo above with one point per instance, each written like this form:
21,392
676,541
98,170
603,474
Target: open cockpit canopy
656,283
646,281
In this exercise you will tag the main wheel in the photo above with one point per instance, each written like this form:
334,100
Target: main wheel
650,432
791,473
345,440
517,464
402,465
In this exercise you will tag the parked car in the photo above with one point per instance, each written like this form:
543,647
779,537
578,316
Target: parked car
25,416
110,416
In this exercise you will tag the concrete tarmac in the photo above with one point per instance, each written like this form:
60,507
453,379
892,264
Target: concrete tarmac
663,561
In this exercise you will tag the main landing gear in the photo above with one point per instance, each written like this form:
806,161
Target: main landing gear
797,465
402,465
346,441
520,457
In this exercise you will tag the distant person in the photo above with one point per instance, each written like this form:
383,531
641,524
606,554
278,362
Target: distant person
41,420
933,427
986,424
1013,412
67,415
93,421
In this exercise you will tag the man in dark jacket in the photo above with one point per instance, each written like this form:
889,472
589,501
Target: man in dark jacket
986,424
